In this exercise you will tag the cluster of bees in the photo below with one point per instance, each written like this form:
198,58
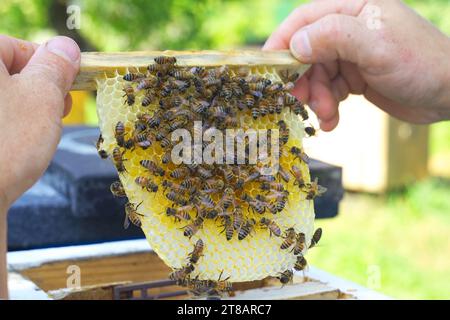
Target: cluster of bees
176,97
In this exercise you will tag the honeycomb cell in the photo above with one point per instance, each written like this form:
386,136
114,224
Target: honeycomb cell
255,257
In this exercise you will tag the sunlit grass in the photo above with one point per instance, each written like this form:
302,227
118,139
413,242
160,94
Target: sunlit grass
405,234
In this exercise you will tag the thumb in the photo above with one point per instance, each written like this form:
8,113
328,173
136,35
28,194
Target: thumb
55,62
330,38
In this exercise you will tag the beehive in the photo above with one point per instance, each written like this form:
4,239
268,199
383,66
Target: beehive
255,257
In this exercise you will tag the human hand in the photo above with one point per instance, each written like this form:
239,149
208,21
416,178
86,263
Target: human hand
379,48
34,85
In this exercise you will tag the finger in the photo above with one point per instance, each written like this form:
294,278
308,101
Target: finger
55,63
352,76
340,88
307,14
334,37
14,54
67,105
322,100
301,89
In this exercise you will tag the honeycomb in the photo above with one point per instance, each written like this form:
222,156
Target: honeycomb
255,257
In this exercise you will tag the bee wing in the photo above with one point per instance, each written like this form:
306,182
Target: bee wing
321,190
126,222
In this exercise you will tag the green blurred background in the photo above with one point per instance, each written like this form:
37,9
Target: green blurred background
403,235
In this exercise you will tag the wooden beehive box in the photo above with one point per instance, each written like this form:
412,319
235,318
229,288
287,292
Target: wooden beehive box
99,271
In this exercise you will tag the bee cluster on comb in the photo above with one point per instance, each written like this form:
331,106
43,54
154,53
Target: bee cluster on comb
209,219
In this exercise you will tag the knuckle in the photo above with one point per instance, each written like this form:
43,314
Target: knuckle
331,26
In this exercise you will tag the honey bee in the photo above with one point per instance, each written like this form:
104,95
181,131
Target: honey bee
298,176
316,237
238,217
299,243
165,60
131,215
167,157
228,227
204,173
191,229
286,277
255,112
249,101
173,186
200,107
117,189
284,132
141,139
301,263
284,174
148,98
290,237
146,183
246,228
181,74
228,174
178,214
299,153
152,167
198,71
118,160
176,198
213,185
289,99
228,197
129,93
102,153
166,143
190,183
272,226
313,190
206,200
182,273
310,131
133,76
195,255
289,77
179,173
119,133
268,186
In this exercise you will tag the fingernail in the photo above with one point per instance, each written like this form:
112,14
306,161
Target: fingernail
300,45
65,48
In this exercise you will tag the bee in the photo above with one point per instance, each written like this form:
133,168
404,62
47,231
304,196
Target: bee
191,182
179,173
165,60
178,214
206,200
118,160
152,167
284,174
119,133
227,198
316,237
255,204
275,88
142,140
246,228
166,143
181,274
268,186
228,174
301,263
289,99
255,112
117,189
129,93
298,176
131,215
213,185
310,131
133,76
167,157
177,198
286,277
287,77
102,153
146,183
210,80
181,75
236,89
278,205
272,226
299,153
173,186
198,71
284,132
195,255
290,237
191,229
200,107
238,217
299,243
249,101
148,98
228,227
313,190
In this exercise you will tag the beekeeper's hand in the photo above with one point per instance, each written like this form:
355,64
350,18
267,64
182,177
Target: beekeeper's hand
379,48
34,85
